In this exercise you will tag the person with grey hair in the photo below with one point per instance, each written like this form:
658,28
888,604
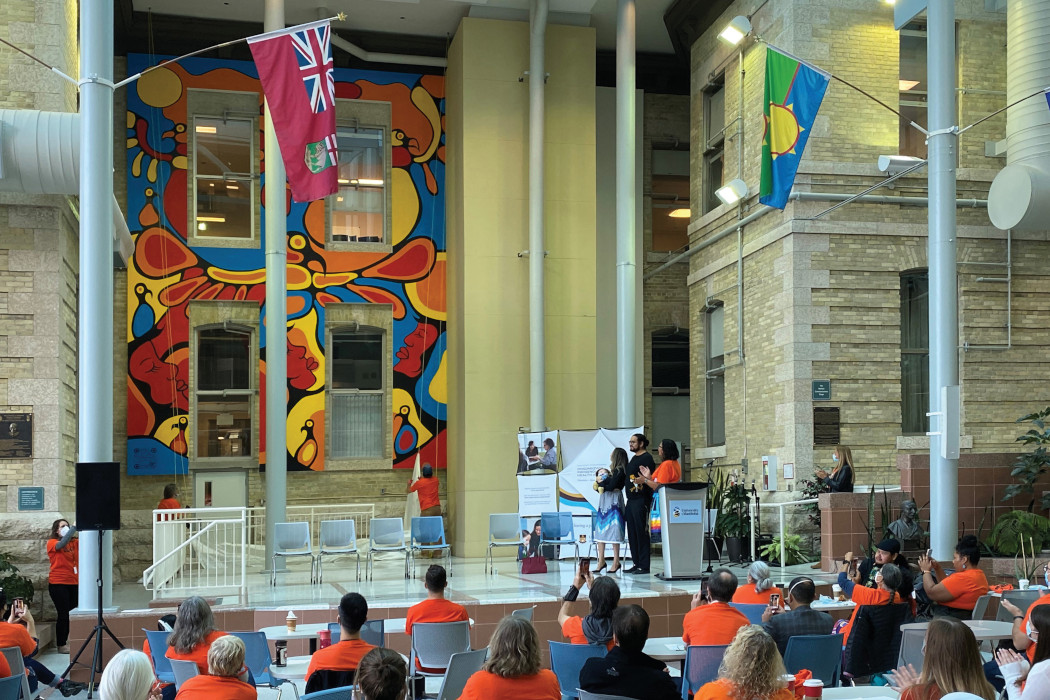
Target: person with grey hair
759,589
888,580
225,662
194,633
128,676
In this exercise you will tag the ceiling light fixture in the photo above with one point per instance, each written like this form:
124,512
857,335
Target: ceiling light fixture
732,192
205,129
365,182
680,213
212,219
905,85
736,30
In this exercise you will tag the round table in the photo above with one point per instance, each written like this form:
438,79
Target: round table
665,648
301,632
990,630
294,670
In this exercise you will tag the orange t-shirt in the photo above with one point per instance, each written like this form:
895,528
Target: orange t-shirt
199,653
15,635
428,492
344,656
5,668
573,631
862,595
434,610
966,587
669,472
1030,651
714,623
63,562
746,595
205,687
485,685
722,689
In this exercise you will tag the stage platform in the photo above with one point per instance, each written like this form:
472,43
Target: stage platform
487,597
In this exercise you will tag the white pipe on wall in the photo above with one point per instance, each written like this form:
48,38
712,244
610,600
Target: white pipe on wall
537,252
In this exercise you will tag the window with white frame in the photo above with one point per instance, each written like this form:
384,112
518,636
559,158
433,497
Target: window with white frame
224,392
915,352
714,143
223,177
358,419
714,347
358,209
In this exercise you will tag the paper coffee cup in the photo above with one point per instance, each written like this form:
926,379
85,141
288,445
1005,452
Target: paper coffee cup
813,688
836,588
1022,583
789,681
290,621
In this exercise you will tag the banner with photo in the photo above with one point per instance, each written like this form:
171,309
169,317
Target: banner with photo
583,453
538,452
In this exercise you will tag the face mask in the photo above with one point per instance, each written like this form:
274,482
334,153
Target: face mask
834,457
63,531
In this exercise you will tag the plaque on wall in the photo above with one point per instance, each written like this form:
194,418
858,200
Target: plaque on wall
826,425
16,435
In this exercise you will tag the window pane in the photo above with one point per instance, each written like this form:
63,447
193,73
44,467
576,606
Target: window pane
356,226
715,335
915,392
224,427
716,115
357,424
359,206
223,360
716,411
912,89
712,180
224,208
357,361
222,146
915,311
671,360
915,358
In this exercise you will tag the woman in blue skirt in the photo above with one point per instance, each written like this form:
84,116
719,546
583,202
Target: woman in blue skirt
608,526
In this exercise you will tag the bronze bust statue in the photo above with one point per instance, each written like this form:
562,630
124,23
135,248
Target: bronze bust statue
907,529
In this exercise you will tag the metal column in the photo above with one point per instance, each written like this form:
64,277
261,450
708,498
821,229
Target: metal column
95,332
537,254
627,319
276,317
944,311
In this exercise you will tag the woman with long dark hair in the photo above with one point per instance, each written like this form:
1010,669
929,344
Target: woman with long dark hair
1015,667
955,594
63,549
609,525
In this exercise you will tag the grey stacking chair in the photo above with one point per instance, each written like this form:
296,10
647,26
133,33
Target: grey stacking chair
291,540
184,670
337,537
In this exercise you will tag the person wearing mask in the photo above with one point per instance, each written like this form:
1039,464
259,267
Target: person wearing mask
426,487
513,669
840,480
759,587
435,607
669,471
639,501
381,675
1029,678
63,549
609,524
1021,628
19,630
627,671
955,594
951,664
714,621
886,552
800,618
751,669
595,628
225,662
339,661
888,579
128,676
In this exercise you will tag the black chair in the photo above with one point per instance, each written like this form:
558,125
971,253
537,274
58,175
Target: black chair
875,639
326,679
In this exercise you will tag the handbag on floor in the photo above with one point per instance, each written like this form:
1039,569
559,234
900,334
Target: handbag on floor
533,565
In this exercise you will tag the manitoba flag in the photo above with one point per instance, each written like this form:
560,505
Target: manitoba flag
295,68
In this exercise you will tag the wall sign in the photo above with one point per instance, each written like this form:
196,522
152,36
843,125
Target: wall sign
16,435
822,390
30,498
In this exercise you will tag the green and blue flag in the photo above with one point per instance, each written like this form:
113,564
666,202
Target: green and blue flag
794,91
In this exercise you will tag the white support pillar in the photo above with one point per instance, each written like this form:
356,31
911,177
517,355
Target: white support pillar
276,236
537,252
628,321
95,333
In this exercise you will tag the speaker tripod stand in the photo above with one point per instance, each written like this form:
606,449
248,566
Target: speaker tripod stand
96,634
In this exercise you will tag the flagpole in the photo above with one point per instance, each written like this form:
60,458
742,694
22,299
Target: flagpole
276,236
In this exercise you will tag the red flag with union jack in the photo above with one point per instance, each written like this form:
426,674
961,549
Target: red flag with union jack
295,69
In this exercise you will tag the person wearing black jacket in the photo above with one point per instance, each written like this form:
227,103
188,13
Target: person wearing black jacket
639,501
840,480
887,552
608,524
626,671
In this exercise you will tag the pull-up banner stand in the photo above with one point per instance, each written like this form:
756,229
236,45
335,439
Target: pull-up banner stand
682,530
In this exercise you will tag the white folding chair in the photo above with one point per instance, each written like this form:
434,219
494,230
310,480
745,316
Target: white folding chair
386,535
184,670
291,540
504,531
461,667
434,643
337,537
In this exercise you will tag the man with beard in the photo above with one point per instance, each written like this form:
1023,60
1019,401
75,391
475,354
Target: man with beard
639,501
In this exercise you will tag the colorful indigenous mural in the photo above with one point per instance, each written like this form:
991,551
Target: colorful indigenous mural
166,273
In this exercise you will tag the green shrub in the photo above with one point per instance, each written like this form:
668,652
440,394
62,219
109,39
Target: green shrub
1016,526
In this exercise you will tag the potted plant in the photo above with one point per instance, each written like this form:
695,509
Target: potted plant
793,551
734,521
1031,465
715,500
1016,527
14,584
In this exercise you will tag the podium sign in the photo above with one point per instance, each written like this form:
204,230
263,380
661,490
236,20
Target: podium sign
682,510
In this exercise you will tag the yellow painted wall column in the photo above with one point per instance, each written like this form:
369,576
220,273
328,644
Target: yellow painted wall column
487,192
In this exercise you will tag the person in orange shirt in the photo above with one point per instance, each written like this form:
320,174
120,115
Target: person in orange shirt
225,661
19,630
513,667
759,587
955,595
715,622
888,580
129,676
435,608
194,633
381,675
427,490
604,596
63,549
752,669
669,471
169,502
345,656
1022,625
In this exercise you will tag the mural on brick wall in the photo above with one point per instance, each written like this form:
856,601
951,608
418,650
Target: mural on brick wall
166,273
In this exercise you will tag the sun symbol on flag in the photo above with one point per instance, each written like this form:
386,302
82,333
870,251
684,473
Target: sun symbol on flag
782,129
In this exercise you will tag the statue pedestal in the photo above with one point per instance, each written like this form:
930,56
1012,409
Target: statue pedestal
844,521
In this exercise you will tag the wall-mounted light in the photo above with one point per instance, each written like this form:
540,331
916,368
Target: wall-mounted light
732,192
736,30
680,213
891,165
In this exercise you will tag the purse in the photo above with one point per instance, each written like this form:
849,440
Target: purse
533,565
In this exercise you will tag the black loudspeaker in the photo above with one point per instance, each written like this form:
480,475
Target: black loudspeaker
98,496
